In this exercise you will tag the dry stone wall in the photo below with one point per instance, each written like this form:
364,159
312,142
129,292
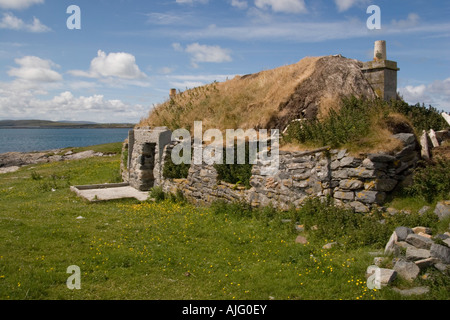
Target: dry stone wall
358,182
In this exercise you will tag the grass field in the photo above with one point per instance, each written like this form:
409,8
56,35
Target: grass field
166,250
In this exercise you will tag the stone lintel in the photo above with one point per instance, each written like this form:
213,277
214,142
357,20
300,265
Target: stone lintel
380,64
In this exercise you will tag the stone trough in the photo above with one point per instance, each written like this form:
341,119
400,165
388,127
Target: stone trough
112,191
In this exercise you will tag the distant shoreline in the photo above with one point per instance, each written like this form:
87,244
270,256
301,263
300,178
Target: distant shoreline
12,161
45,124
68,127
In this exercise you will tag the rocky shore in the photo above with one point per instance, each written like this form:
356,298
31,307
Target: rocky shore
12,161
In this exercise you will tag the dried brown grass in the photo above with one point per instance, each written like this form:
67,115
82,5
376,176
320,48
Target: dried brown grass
242,102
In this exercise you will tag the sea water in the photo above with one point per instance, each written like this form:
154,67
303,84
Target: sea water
28,140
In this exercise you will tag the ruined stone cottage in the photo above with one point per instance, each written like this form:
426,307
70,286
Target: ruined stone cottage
357,182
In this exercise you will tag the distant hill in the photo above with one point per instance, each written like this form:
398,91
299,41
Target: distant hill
16,124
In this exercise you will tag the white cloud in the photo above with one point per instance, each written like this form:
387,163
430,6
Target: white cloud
191,81
166,18
38,91
344,5
239,4
192,1
35,69
177,47
441,86
436,94
18,4
412,20
414,93
10,21
120,65
16,103
306,32
166,70
204,53
287,6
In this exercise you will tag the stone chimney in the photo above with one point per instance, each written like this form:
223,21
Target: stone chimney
379,53
382,73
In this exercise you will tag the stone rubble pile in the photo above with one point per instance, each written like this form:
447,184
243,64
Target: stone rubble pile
411,251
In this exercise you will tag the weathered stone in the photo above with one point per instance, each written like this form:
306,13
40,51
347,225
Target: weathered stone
442,267
390,245
359,207
406,138
425,263
424,209
350,162
350,196
351,184
329,245
367,163
418,230
403,232
341,154
392,211
370,197
442,209
300,184
406,269
414,254
378,261
442,236
362,172
404,245
419,242
423,234
440,252
447,242
412,291
385,185
339,174
379,277
425,152
380,157
334,165
406,154
433,138
302,176
301,240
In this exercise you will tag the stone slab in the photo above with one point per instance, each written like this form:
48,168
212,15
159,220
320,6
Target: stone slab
109,192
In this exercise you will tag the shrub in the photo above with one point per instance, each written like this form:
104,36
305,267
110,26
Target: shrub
333,223
352,229
157,194
431,181
174,171
35,175
360,120
238,209
347,125
422,118
235,173
178,197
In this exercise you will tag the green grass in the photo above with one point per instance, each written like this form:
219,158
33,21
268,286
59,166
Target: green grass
160,250
107,148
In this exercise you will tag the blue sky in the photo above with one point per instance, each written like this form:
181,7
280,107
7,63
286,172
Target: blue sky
129,53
